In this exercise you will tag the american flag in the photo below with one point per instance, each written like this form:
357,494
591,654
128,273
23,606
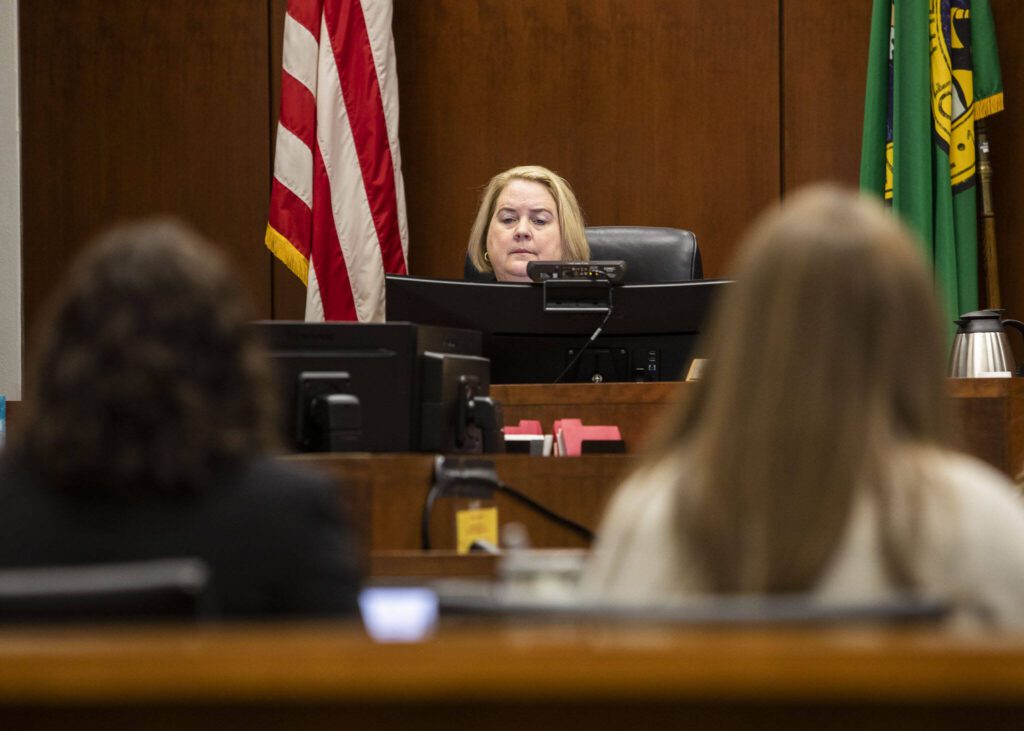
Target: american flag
337,203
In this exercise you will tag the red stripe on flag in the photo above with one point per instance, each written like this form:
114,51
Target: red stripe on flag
298,109
360,88
307,13
328,261
290,217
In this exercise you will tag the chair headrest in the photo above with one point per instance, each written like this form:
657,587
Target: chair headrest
158,589
652,254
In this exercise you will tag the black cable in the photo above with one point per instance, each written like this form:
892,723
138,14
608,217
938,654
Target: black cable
436,490
589,341
428,509
577,528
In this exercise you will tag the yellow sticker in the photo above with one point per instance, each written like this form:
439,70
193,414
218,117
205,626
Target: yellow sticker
476,524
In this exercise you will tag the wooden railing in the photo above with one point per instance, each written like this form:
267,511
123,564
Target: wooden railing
508,677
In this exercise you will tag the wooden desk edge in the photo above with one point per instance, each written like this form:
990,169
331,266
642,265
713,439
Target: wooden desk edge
336,664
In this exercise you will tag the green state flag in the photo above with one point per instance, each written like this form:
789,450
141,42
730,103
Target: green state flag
933,69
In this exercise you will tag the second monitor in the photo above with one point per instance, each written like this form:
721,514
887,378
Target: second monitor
531,336
381,387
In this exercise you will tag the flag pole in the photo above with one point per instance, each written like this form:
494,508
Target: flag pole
988,217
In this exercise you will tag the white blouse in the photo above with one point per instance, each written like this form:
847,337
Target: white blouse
971,552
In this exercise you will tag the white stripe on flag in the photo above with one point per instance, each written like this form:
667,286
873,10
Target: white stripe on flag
378,15
353,220
308,58
314,305
299,53
293,165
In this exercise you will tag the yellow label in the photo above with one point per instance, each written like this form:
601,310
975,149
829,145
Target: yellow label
475,524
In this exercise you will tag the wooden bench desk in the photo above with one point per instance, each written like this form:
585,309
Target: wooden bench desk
507,677
385,493
987,413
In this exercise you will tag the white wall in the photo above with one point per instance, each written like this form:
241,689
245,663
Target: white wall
10,205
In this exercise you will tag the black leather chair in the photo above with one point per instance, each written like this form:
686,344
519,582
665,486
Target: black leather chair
652,254
145,590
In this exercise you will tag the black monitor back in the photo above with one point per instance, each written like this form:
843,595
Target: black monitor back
381,361
651,334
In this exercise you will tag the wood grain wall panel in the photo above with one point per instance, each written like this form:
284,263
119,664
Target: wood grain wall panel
1007,144
824,66
132,109
658,112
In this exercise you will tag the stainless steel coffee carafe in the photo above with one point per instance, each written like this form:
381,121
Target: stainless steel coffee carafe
980,347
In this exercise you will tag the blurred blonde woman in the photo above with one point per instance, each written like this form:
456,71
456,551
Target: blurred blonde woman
527,213
810,459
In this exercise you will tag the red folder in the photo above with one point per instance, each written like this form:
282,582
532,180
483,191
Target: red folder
526,426
571,433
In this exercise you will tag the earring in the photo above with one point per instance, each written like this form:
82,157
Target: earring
487,257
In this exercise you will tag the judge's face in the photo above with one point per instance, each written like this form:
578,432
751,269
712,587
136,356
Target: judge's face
524,228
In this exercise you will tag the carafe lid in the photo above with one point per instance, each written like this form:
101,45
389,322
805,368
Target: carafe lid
980,321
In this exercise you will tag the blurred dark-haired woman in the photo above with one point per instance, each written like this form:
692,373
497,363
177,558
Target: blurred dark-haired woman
148,434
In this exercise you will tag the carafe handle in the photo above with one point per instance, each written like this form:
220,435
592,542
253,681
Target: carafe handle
1019,327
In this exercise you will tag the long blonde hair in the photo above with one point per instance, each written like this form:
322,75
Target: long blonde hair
826,358
570,218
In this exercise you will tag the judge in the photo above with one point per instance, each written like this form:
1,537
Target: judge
527,213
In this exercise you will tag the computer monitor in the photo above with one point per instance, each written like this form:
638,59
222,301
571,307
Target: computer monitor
457,413
360,386
531,333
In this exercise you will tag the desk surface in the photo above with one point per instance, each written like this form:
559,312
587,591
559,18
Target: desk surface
304,673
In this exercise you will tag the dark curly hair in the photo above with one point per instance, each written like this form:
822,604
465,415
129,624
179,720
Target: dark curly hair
148,377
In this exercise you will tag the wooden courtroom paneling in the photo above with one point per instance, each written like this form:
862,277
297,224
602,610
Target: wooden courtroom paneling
636,408
824,63
132,109
986,414
384,494
1007,145
988,421
658,112
404,565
